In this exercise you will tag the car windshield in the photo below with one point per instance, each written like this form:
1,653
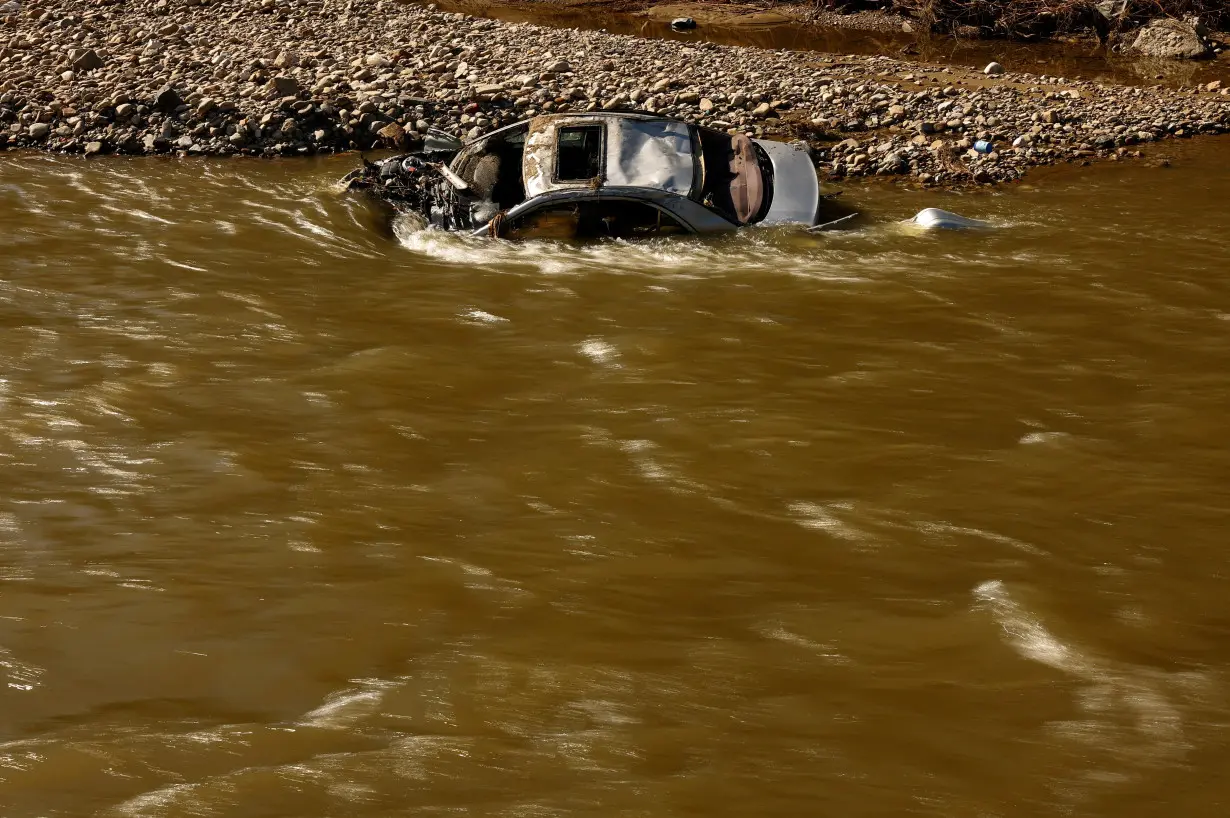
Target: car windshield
735,183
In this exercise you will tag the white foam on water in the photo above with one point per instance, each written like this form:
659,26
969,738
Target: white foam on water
600,352
821,518
640,452
934,528
1133,720
156,802
825,650
1026,634
348,707
483,317
783,251
1039,438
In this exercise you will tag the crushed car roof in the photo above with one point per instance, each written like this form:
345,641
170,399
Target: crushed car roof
631,151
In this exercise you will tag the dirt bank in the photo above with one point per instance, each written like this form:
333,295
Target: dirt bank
297,77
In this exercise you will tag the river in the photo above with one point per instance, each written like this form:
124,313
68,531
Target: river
301,517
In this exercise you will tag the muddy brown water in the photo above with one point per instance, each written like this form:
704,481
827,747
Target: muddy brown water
301,518
1077,60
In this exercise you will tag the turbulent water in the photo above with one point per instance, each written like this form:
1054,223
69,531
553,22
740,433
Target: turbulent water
303,516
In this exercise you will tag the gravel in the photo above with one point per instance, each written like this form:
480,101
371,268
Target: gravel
300,77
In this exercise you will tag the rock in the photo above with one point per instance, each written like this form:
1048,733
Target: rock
126,110
762,110
993,70
206,105
892,164
93,148
394,134
1168,39
558,67
286,59
706,105
167,100
377,60
39,130
286,86
89,61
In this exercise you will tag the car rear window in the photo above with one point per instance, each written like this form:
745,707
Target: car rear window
578,155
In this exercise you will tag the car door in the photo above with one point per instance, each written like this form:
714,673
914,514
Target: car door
594,217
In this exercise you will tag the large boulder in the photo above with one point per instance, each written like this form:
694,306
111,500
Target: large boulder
1170,40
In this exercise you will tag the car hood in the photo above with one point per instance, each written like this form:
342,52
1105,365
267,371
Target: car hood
796,187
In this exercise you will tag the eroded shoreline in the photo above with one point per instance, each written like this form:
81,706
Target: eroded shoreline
300,77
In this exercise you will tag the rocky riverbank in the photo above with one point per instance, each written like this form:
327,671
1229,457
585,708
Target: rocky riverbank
298,77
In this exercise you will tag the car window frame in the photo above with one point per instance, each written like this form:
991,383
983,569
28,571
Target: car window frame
568,197
601,127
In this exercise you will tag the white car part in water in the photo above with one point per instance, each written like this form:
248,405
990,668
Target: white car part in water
796,188
933,218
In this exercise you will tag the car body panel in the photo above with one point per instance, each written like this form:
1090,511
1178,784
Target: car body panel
694,216
796,188
650,153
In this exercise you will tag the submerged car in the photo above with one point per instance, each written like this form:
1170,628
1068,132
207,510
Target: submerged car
598,175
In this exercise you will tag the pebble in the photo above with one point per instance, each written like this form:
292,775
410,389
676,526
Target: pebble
277,78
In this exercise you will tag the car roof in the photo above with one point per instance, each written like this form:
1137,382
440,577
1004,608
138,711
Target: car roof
629,151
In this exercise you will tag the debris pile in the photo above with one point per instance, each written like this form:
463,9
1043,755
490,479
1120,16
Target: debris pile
414,184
